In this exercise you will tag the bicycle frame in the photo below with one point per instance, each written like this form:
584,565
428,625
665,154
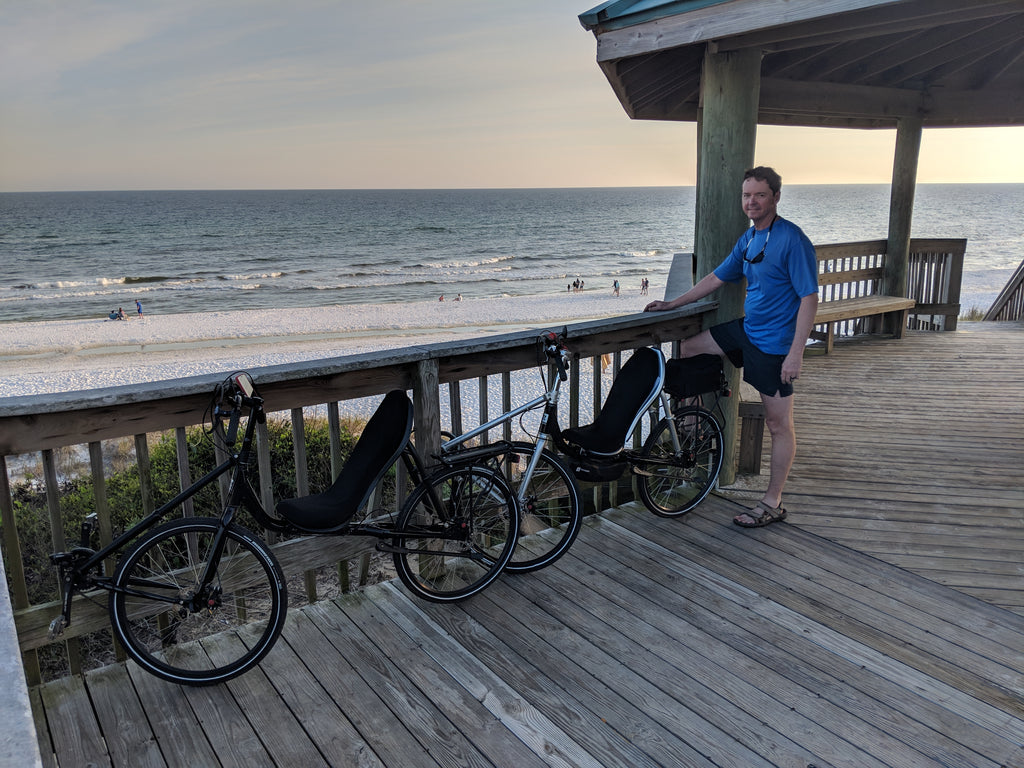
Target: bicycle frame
453,453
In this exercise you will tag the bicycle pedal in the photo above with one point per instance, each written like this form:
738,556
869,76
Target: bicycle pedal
57,627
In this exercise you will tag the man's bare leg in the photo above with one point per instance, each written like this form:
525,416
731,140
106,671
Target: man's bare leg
701,344
778,415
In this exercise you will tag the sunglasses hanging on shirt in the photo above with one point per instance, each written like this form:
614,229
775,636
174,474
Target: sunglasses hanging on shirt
760,256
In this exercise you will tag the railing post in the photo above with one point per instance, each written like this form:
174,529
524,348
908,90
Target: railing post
426,399
18,743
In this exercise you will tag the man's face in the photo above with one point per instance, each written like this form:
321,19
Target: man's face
759,201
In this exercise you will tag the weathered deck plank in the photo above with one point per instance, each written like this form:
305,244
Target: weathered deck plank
876,627
912,450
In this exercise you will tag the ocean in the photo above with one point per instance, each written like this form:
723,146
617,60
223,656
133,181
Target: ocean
73,255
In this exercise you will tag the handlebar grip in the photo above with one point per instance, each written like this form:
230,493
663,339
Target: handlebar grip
232,432
560,362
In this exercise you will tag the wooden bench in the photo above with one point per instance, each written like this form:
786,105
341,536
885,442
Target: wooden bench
849,280
892,309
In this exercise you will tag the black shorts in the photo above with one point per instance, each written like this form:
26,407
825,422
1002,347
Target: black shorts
760,370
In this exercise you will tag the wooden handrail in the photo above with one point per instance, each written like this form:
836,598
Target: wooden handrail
18,744
47,422
1009,304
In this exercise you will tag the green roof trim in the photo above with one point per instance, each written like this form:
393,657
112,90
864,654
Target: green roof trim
616,14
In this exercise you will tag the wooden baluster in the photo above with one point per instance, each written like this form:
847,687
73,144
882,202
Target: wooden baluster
482,407
302,484
57,537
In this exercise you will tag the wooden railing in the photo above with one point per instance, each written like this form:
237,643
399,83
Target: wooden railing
935,271
1009,304
88,420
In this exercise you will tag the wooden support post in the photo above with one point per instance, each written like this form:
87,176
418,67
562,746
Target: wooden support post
426,400
730,90
901,206
751,437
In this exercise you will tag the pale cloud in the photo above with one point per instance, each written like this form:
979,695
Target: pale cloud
391,93
42,41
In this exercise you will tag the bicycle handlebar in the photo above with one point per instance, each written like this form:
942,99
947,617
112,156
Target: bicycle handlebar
232,395
555,351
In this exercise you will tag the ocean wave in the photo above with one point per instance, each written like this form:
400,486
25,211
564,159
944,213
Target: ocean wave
146,279
63,285
253,276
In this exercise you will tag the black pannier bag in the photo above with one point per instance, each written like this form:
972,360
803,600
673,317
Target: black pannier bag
692,376
596,471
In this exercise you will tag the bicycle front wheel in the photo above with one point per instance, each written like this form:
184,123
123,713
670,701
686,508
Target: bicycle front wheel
187,633
673,481
455,533
550,514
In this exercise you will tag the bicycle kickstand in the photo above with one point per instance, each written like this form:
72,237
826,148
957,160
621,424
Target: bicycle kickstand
66,562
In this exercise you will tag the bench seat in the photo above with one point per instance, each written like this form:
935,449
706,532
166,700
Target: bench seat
831,312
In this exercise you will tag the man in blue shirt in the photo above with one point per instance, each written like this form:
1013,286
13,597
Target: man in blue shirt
781,270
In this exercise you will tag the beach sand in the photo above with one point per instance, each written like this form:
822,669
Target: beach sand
72,355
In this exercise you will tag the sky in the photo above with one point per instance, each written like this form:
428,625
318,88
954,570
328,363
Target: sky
347,94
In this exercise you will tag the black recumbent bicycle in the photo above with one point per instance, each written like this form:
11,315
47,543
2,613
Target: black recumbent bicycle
180,584
678,464
681,457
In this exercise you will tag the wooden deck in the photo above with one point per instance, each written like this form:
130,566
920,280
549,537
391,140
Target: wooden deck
876,628
913,451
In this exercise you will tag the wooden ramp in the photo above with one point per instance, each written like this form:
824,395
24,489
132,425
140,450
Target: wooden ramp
652,643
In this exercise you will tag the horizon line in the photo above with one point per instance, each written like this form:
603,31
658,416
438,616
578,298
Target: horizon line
474,189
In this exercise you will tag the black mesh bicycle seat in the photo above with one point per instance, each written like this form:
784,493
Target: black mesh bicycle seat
632,393
384,438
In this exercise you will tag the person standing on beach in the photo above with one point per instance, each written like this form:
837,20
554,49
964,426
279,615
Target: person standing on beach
138,308
781,269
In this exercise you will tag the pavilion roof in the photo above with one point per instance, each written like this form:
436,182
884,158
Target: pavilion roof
842,63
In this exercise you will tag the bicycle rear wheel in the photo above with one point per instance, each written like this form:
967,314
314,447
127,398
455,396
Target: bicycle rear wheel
455,533
674,482
187,634
550,513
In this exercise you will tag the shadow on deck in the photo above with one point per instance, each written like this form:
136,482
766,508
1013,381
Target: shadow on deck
662,642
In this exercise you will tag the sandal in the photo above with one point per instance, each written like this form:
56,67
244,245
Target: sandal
761,515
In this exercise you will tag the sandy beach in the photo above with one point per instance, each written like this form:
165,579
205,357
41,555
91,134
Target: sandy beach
71,355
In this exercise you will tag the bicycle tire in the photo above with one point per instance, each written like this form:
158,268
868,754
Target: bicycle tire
191,643
550,512
452,551
672,483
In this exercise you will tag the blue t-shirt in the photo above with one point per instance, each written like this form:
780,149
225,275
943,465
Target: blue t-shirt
775,285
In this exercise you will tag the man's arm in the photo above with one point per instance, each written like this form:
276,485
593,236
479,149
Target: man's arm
708,284
804,323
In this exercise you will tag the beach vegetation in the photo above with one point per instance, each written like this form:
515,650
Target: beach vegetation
973,314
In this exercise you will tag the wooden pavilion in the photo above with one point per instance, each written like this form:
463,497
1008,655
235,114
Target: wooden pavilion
730,65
